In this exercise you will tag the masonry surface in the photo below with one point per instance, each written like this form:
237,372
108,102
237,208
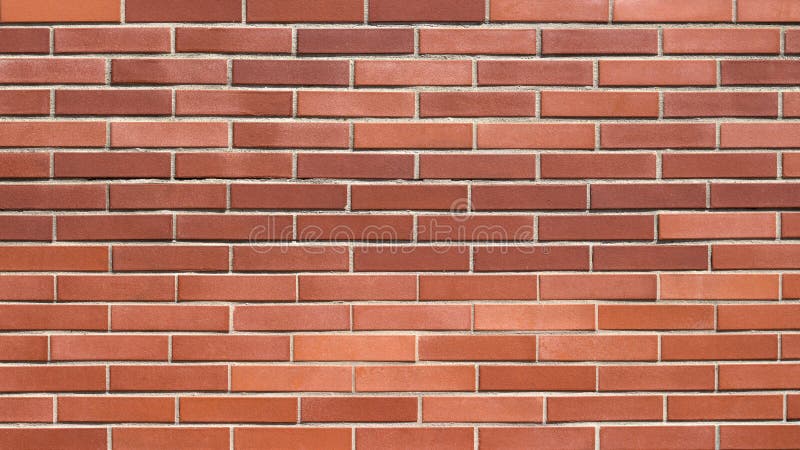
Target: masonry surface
386,224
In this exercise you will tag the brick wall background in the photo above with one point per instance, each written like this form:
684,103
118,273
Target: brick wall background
378,224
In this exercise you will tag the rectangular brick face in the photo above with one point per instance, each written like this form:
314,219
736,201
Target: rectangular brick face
391,224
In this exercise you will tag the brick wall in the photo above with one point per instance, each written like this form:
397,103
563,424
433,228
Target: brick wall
377,224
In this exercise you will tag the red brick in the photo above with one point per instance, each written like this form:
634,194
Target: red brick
477,348
427,11
719,287
288,196
230,348
24,40
768,11
168,71
477,41
672,11
778,256
111,288
650,257
26,102
62,438
167,195
109,348
664,135
355,227
658,73
758,317
583,166
52,134
793,403
116,409
411,317
719,347
599,104
735,377
359,166
537,378
760,72
534,73
534,317
792,44
280,288
721,41
603,227
720,104
790,346
175,134
763,195
183,11
233,40
165,258
117,102
551,438
286,11
54,317
657,378
758,436
233,103
759,135
412,135
135,438
23,348
655,317
111,40
477,287
355,41
111,165
26,287
413,73
791,104
481,409
720,165
354,348
45,71
724,407
26,409
477,167
291,72
292,318
531,258
57,197
598,348
169,378
600,41
471,227
791,165
597,287
477,104
416,378
52,379
549,11
605,408
355,104
435,197
26,228
62,11
291,135
528,197
169,318
24,165
663,437
54,258
233,165
257,258
790,225
291,379
239,409
448,258
536,136
111,227
416,437
648,196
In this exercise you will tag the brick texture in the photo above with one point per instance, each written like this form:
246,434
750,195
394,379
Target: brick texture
399,224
